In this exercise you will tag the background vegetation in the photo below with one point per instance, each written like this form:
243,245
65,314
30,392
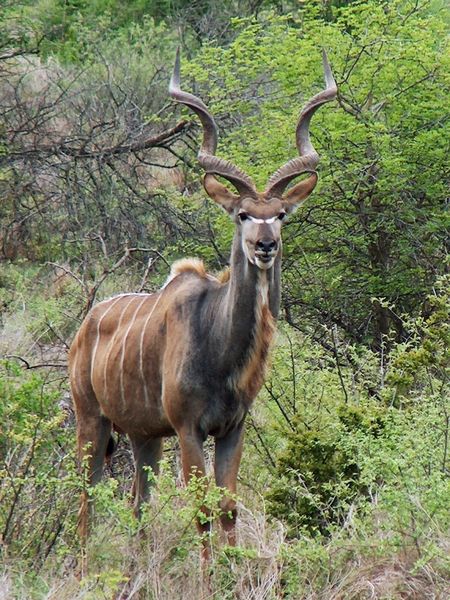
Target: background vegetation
344,485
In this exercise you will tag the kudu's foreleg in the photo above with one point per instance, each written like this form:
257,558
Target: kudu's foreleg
193,461
147,453
228,454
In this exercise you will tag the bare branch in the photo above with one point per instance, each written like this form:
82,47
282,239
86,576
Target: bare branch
28,366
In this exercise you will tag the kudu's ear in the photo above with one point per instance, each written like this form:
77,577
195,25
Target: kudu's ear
220,193
299,192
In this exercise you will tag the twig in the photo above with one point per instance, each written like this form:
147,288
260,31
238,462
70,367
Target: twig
151,261
338,365
152,142
262,442
108,271
69,272
38,366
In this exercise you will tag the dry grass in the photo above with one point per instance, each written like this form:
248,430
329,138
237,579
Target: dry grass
389,578
163,563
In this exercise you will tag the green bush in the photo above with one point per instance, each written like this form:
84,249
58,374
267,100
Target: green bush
383,460
37,468
318,478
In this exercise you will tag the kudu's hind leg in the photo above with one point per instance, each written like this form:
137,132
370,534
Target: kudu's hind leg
228,454
147,453
93,434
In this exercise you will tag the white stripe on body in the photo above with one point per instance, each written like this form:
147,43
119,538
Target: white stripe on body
124,342
141,350
73,377
111,345
98,337
122,295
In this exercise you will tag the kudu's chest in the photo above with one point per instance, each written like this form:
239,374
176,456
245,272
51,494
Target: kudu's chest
217,381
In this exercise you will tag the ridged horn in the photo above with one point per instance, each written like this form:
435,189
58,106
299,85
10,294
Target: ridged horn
211,164
308,158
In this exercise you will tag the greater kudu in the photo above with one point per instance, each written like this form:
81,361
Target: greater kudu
190,358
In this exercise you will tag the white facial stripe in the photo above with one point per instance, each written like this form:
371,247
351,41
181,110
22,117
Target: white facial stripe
260,221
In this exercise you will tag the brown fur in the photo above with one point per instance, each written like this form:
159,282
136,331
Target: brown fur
250,379
252,376
224,276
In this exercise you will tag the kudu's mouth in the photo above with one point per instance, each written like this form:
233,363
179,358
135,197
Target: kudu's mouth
264,260
265,256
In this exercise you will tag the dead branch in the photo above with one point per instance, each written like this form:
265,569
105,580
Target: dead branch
28,366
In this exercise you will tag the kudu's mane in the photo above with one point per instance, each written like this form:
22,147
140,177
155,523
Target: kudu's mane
197,267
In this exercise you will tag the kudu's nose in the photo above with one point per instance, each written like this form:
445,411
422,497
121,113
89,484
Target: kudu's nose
266,246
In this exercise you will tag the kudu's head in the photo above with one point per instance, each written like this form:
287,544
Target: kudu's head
258,215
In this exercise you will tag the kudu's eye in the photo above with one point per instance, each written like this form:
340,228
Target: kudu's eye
282,215
243,216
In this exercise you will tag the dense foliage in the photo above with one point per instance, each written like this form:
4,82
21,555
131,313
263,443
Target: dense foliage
344,484
377,227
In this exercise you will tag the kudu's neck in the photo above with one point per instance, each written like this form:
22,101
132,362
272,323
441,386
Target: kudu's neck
248,288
